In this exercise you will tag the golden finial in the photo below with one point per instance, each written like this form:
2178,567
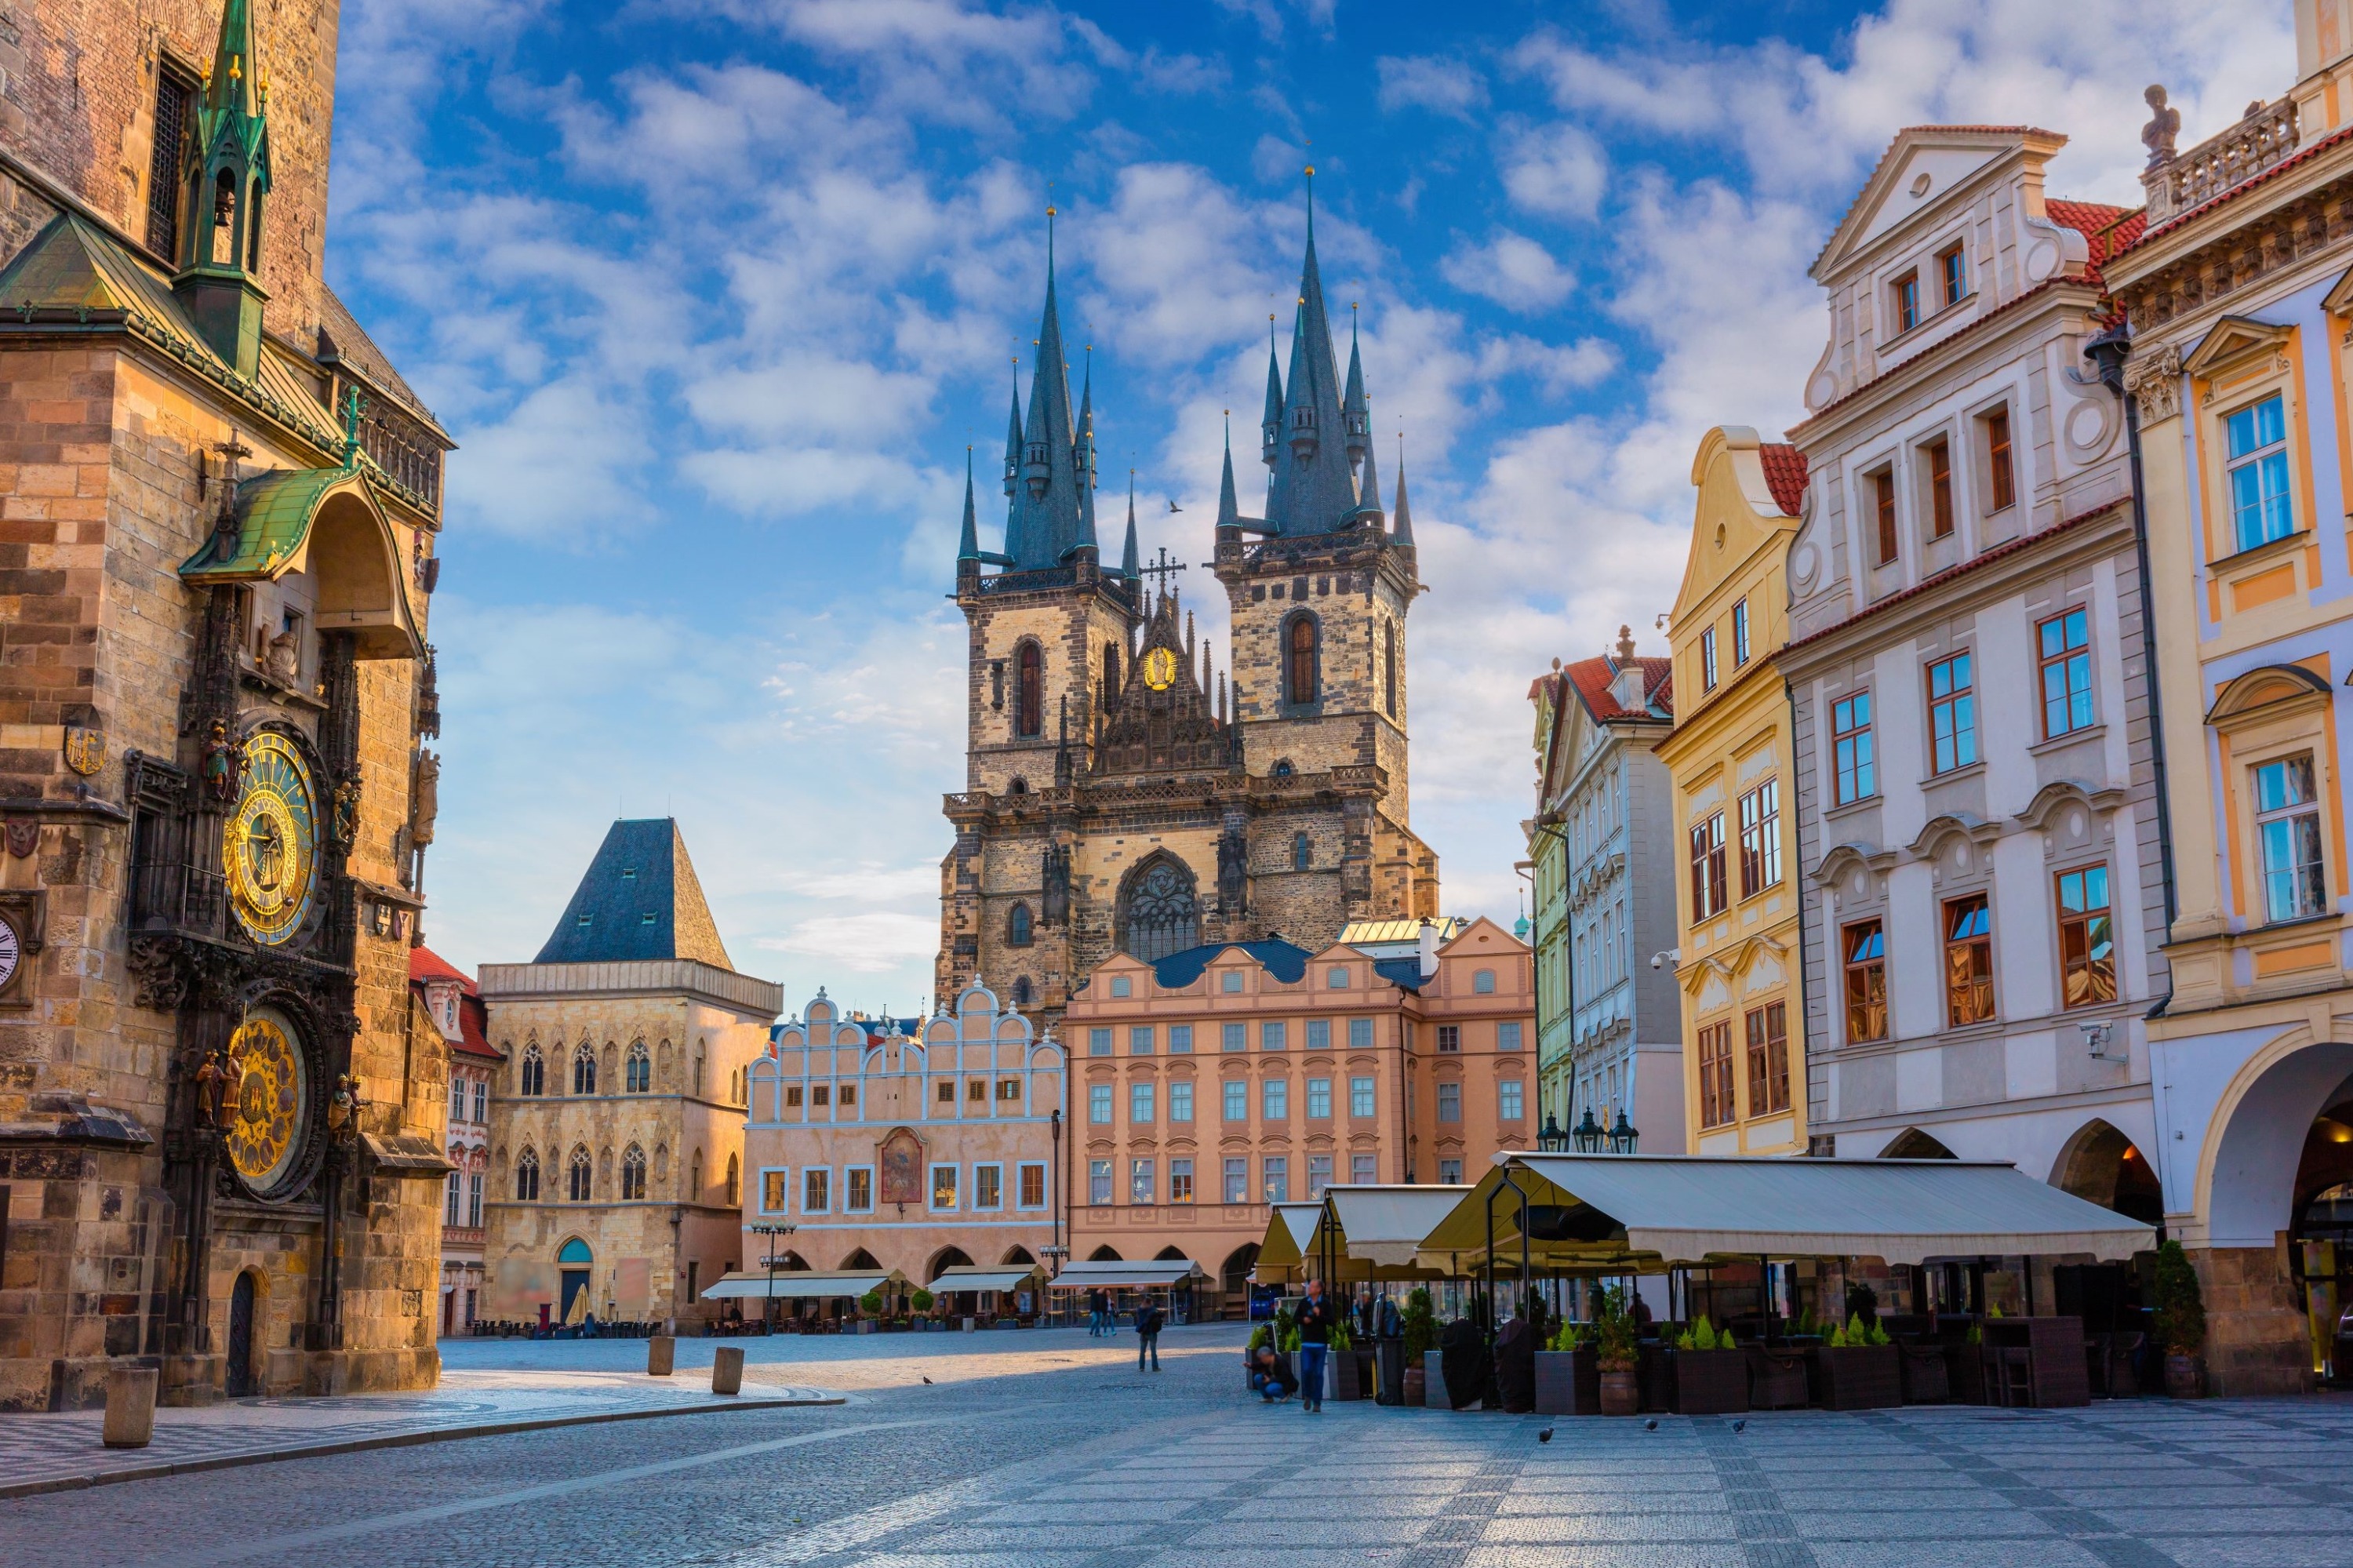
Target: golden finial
237,68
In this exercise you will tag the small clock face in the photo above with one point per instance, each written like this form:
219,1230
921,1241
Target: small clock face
11,954
266,1099
1160,669
270,845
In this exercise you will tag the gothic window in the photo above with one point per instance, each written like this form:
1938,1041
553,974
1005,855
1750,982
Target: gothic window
527,1178
633,1172
1016,926
694,1178
1283,768
1111,669
1021,991
1299,675
640,1069
1302,853
583,1070
1028,691
1388,668
1161,913
734,1181
175,91
535,1071
578,1187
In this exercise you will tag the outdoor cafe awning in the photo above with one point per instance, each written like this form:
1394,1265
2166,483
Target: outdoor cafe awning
801,1285
1282,1249
975,1276
1376,1232
1688,1209
1154,1274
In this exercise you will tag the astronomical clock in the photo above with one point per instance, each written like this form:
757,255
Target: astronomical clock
270,843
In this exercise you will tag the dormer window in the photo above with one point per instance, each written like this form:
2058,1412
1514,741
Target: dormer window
1907,302
1954,267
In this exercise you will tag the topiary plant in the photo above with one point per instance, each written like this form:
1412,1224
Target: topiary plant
871,1303
1421,1327
921,1300
1614,1331
2180,1304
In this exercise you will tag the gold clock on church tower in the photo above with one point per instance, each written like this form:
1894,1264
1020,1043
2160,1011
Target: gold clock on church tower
270,845
1160,669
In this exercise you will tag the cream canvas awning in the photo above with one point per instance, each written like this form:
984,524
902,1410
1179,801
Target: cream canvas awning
1688,1209
1282,1250
976,1277
801,1285
1150,1274
1384,1226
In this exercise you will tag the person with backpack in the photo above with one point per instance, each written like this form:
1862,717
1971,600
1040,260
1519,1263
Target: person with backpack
1148,1319
1313,1322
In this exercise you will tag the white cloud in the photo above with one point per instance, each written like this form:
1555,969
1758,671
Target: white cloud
1511,270
1555,170
1442,86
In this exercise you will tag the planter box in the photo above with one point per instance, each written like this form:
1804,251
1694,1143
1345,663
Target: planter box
1568,1382
1347,1372
1858,1377
1964,1373
1927,1380
1433,1382
1776,1378
1710,1382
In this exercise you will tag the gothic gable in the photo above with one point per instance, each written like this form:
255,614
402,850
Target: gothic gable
1161,718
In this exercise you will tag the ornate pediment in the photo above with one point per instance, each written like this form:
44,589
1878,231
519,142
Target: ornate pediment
2233,340
1161,719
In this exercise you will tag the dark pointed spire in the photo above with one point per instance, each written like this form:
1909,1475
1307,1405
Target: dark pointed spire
1013,434
1315,487
1229,509
1048,521
1270,426
221,182
1401,515
1368,494
1130,564
968,545
1082,457
1355,411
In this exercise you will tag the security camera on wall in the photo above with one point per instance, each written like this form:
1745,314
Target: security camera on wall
1659,960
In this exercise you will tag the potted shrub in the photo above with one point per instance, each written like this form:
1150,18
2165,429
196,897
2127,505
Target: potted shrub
1568,1374
1616,1353
1343,1373
870,1307
1421,1340
1859,1369
2180,1323
921,1302
1711,1375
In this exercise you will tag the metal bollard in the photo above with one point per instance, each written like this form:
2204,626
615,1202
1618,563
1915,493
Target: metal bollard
727,1370
661,1356
131,1407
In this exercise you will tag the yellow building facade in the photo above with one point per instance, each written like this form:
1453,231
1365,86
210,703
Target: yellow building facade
1738,959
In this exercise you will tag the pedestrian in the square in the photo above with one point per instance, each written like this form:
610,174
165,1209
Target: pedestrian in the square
1097,1310
1268,1377
1313,1322
1149,1319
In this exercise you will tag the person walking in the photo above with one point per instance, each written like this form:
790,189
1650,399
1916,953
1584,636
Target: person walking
1094,1314
1149,1319
1313,1323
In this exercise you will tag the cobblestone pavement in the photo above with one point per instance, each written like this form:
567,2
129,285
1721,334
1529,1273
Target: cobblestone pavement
1049,1449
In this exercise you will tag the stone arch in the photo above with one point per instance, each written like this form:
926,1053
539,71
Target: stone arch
610,1066
1028,688
1914,1144
526,1169
2248,1170
948,1257
734,1181
1159,908
579,1176
1301,646
530,1072
1234,1273
583,1069
2100,1165
858,1258
637,1071
1104,1254
1015,1256
1171,1254
1020,927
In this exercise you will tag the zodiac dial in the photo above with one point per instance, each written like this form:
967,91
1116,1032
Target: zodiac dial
269,1092
270,845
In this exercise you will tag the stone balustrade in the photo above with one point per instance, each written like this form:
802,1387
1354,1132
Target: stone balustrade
2263,139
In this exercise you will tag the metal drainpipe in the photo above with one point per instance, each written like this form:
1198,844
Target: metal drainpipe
1805,949
2108,352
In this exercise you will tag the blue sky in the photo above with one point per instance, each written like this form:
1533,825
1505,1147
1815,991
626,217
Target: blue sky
714,294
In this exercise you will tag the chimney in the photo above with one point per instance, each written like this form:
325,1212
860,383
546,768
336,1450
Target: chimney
1429,948
1625,685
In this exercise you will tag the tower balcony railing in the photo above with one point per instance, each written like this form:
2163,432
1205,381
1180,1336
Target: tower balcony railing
2264,138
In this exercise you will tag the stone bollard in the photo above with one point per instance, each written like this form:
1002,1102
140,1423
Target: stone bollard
727,1370
131,1407
661,1356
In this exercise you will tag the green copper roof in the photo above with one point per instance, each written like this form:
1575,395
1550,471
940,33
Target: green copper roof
273,512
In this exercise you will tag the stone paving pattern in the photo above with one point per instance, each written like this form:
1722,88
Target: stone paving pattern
1048,1449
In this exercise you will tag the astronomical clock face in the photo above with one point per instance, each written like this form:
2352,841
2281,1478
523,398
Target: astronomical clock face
1160,669
271,844
266,1099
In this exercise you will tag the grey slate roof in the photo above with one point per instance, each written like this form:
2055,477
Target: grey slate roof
638,900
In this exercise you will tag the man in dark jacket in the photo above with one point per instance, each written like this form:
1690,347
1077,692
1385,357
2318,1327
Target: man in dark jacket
1268,1377
1313,1322
1149,1319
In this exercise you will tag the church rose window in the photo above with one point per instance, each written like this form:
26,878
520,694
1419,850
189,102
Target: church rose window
1162,916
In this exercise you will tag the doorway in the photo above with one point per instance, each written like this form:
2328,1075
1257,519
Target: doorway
243,1299
572,1261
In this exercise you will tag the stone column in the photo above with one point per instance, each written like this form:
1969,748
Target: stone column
2257,1339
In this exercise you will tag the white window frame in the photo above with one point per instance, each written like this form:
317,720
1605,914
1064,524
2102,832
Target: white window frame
979,1204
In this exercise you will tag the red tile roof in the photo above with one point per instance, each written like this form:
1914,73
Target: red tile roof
473,1019
424,964
2106,229
1785,475
2302,155
1591,677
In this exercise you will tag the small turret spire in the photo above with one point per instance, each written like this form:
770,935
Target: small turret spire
1368,493
1272,425
1401,515
1130,566
1355,413
968,545
1229,508
1013,433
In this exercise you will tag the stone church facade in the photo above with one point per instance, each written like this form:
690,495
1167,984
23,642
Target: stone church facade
221,1140
1122,793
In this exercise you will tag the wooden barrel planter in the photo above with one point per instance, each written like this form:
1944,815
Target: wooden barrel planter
1709,1382
1417,1385
1621,1392
1858,1377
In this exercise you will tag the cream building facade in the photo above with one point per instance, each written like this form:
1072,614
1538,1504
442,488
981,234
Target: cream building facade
617,1133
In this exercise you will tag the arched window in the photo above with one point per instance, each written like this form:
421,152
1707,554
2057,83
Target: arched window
1302,853
640,1070
1388,667
527,1178
734,1182
633,1172
1111,669
694,1178
583,1070
1029,689
1021,990
535,1071
1299,659
1160,913
579,1184
1283,768
698,1068
1020,786
1016,926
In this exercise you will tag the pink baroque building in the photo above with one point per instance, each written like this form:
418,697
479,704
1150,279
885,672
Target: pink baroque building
906,1144
454,1016
1216,1082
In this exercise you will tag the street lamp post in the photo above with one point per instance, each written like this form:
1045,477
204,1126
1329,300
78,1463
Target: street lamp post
768,1308
1588,1134
1623,1136
1552,1141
